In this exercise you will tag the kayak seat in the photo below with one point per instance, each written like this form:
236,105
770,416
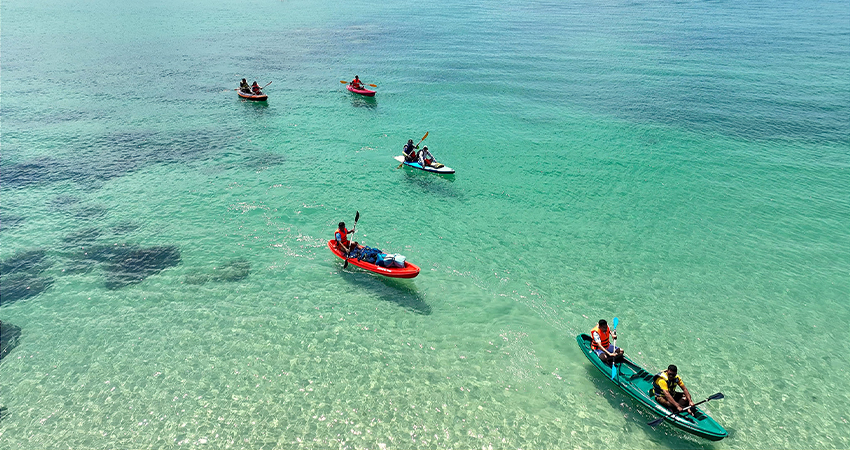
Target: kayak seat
642,374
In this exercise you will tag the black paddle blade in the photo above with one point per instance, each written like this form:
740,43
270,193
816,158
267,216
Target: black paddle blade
345,265
357,217
656,422
716,396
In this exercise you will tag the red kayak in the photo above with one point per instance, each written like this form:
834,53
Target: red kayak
259,98
408,271
365,92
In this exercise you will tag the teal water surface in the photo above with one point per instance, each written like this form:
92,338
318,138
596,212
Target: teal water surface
165,276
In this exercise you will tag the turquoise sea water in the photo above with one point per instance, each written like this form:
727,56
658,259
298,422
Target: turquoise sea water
683,166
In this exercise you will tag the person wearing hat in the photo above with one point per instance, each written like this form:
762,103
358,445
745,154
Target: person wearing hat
425,157
410,151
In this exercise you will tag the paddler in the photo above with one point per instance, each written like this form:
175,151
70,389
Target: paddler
342,241
410,151
355,83
600,342
256,89
243,86
664,388
425,157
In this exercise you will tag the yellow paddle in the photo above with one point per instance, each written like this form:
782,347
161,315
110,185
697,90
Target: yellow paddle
343,82
417,146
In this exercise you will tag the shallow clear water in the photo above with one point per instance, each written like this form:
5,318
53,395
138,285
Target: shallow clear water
683,167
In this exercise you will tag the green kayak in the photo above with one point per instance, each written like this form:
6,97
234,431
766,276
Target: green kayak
637,382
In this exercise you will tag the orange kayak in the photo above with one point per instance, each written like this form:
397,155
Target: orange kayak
259,98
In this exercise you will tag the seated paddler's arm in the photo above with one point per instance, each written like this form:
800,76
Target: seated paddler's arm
671,400
687,394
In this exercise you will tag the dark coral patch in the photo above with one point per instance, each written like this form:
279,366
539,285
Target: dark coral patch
9,337
89,212
64,202
7,221
139,264
107,253
22,285
29,261
113,155
235,270
19,276
197,278
264,161
83,238
33,172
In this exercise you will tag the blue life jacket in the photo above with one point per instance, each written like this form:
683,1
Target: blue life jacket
409,151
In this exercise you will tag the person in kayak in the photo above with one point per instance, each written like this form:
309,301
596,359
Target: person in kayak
410,152
243,86
664,388
355,83
600,343
342,241
255,89
425,157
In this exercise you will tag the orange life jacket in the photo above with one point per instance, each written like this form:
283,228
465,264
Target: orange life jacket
603,336
343,237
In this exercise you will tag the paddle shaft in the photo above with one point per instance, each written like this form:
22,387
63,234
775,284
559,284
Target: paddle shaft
260,88
270,82
614,360
356,218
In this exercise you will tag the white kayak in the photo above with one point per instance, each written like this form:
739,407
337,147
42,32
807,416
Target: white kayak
441,170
